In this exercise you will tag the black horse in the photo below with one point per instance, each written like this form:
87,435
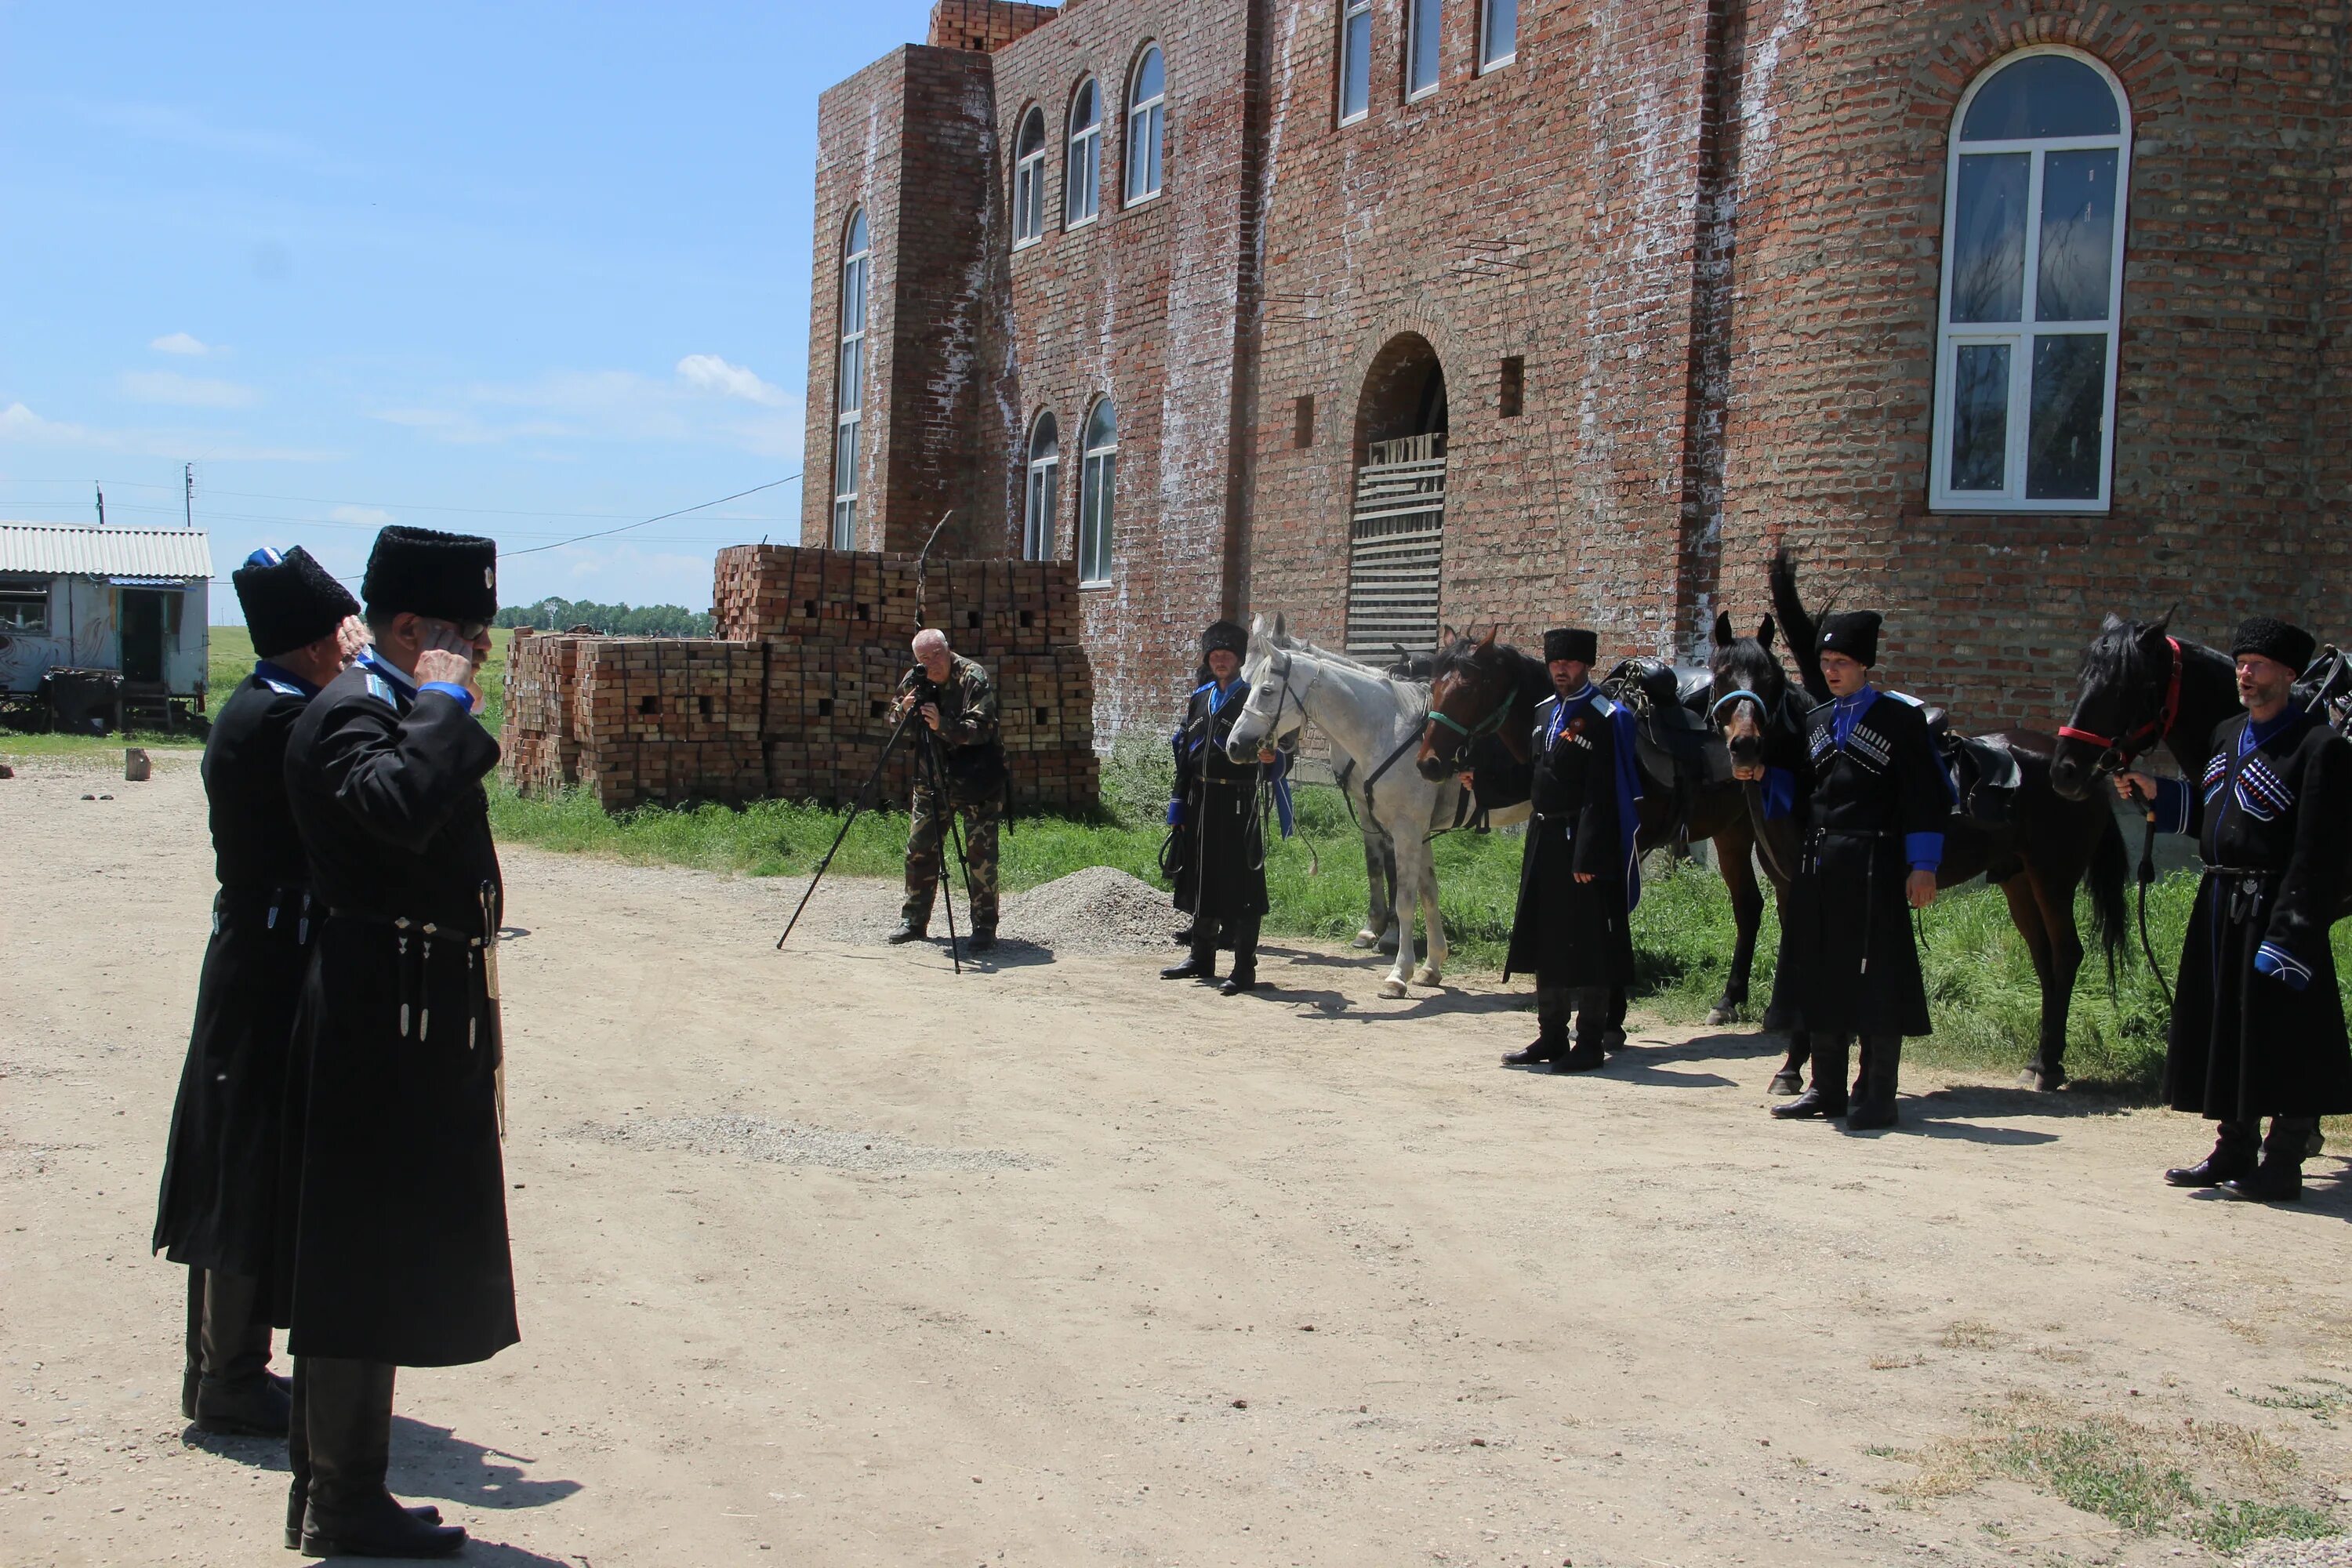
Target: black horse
2054,842
2140,687
1482,697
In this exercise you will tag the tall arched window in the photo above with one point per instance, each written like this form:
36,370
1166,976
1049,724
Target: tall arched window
1045,489
1082,181
1029,179
1098,479
849,383
1147,123
2033,269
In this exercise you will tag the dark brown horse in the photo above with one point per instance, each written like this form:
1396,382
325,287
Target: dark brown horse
2138,688
1483,693
2052,843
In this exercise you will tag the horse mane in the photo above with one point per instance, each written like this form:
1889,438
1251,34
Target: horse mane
1804,633
1347,663
2115,653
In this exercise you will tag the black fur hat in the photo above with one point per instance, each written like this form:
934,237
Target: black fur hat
1853,633
1225,634
449,576
2274,640
289,601
1570,642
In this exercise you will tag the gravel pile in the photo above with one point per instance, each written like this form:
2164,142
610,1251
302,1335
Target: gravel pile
782,1143
2335,1552
1099,909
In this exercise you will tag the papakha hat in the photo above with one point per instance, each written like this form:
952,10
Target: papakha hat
1572,642
450,577
1225,634
2275,640
1853,633
289,600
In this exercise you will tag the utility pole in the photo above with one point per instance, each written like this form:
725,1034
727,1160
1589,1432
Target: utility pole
188,504
102,505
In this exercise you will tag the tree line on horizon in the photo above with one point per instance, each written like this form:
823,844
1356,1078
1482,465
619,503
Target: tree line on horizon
558,615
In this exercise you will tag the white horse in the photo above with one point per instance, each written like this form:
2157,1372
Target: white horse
1373,719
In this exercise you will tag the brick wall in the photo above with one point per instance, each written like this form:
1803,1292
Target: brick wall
983,24
1711,231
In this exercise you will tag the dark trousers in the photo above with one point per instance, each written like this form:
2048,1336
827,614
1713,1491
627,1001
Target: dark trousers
1594,1005
2289,1142
1240,934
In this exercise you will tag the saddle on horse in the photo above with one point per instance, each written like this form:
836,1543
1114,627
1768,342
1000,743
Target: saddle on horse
1673,739
1985,777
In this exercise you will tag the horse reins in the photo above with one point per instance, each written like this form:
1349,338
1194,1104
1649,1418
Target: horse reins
2115,755
1765,712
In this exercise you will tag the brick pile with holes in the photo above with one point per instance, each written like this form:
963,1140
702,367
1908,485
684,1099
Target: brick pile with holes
791,700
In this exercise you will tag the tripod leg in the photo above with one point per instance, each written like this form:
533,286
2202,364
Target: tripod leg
865,793
936,776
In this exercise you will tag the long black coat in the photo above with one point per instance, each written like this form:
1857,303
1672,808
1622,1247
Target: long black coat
1848,937
399,1213
2245,1044
1568,932
1220,870
218,1204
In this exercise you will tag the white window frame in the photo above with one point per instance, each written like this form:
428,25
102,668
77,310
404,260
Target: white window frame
1083,174
1040,496
1351,56
1418,13
1147,132
21,592
1097,497
850,376
1487,59
1029,182
1951,337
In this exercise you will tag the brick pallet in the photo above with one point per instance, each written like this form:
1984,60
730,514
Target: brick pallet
791,700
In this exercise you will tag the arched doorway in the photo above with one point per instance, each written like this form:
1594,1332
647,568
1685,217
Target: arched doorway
1396,530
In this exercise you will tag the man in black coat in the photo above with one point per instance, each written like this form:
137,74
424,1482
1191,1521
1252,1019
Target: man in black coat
1220,869
2257,1020
1580,876
217,1212
1871,820
398,1211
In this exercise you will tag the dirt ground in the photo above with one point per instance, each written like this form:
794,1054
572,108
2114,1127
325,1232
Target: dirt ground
832,1257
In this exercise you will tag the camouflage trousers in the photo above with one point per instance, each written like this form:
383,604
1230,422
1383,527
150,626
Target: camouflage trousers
926,837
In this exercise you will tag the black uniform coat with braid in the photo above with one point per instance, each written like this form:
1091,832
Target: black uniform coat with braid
2244,1042
398,1209
1848,936
1221,870
217,1208
1566,932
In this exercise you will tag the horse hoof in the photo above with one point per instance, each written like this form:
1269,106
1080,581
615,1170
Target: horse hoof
1392,987
1787,1083
2045,1077
1719,1015
1779,1020
1427,975
1364,939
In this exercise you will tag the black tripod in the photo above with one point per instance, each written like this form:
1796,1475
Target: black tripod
930,775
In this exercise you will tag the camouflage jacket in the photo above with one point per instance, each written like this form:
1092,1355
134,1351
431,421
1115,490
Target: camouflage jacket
967,699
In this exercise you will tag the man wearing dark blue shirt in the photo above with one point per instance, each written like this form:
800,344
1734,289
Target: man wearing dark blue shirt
2257,1021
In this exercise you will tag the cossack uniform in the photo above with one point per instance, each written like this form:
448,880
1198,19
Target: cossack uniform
1217,846
217,1212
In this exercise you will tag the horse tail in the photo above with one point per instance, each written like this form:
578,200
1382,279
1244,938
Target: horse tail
1797,622
2109,869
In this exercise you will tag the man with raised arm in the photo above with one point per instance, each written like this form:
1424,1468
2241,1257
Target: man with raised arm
2257,1020
397,1206
217,1212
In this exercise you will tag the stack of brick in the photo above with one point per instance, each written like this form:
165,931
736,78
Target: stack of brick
791,700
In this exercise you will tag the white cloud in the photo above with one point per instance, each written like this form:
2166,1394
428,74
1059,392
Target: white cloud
362,516
19,422
181,343
709,373
186,391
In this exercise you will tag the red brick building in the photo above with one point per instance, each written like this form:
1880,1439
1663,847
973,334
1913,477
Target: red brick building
1383,313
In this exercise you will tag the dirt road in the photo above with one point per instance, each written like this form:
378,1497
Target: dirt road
833,1257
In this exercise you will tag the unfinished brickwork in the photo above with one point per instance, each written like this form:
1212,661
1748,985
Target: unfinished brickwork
1678,263
791,700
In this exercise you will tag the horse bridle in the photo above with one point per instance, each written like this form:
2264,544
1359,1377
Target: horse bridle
1282,694
2116,752
1470,733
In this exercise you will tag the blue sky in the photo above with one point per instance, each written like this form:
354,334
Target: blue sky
524,269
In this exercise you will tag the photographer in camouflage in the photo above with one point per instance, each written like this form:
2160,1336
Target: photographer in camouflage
957,705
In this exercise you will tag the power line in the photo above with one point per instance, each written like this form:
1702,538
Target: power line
382,505
607,533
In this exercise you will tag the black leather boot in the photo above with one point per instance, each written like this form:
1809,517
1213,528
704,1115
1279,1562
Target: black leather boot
1881,1072
1202,963
192,1371
1243,933
297,1461
1592,1047
1550,1043
2232,1156
1827,1094
347,1420
237,1395
2278,1179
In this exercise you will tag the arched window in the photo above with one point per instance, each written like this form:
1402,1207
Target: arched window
1147,123
1029,179
1045,489
1082,181
849,383
1355,60
2033,268
1097,481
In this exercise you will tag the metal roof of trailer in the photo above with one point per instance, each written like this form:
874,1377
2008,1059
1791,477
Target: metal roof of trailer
179,553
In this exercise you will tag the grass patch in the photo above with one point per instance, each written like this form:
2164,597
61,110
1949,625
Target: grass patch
2221,1485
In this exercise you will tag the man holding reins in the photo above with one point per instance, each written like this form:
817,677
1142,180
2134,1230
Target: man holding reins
1217,840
